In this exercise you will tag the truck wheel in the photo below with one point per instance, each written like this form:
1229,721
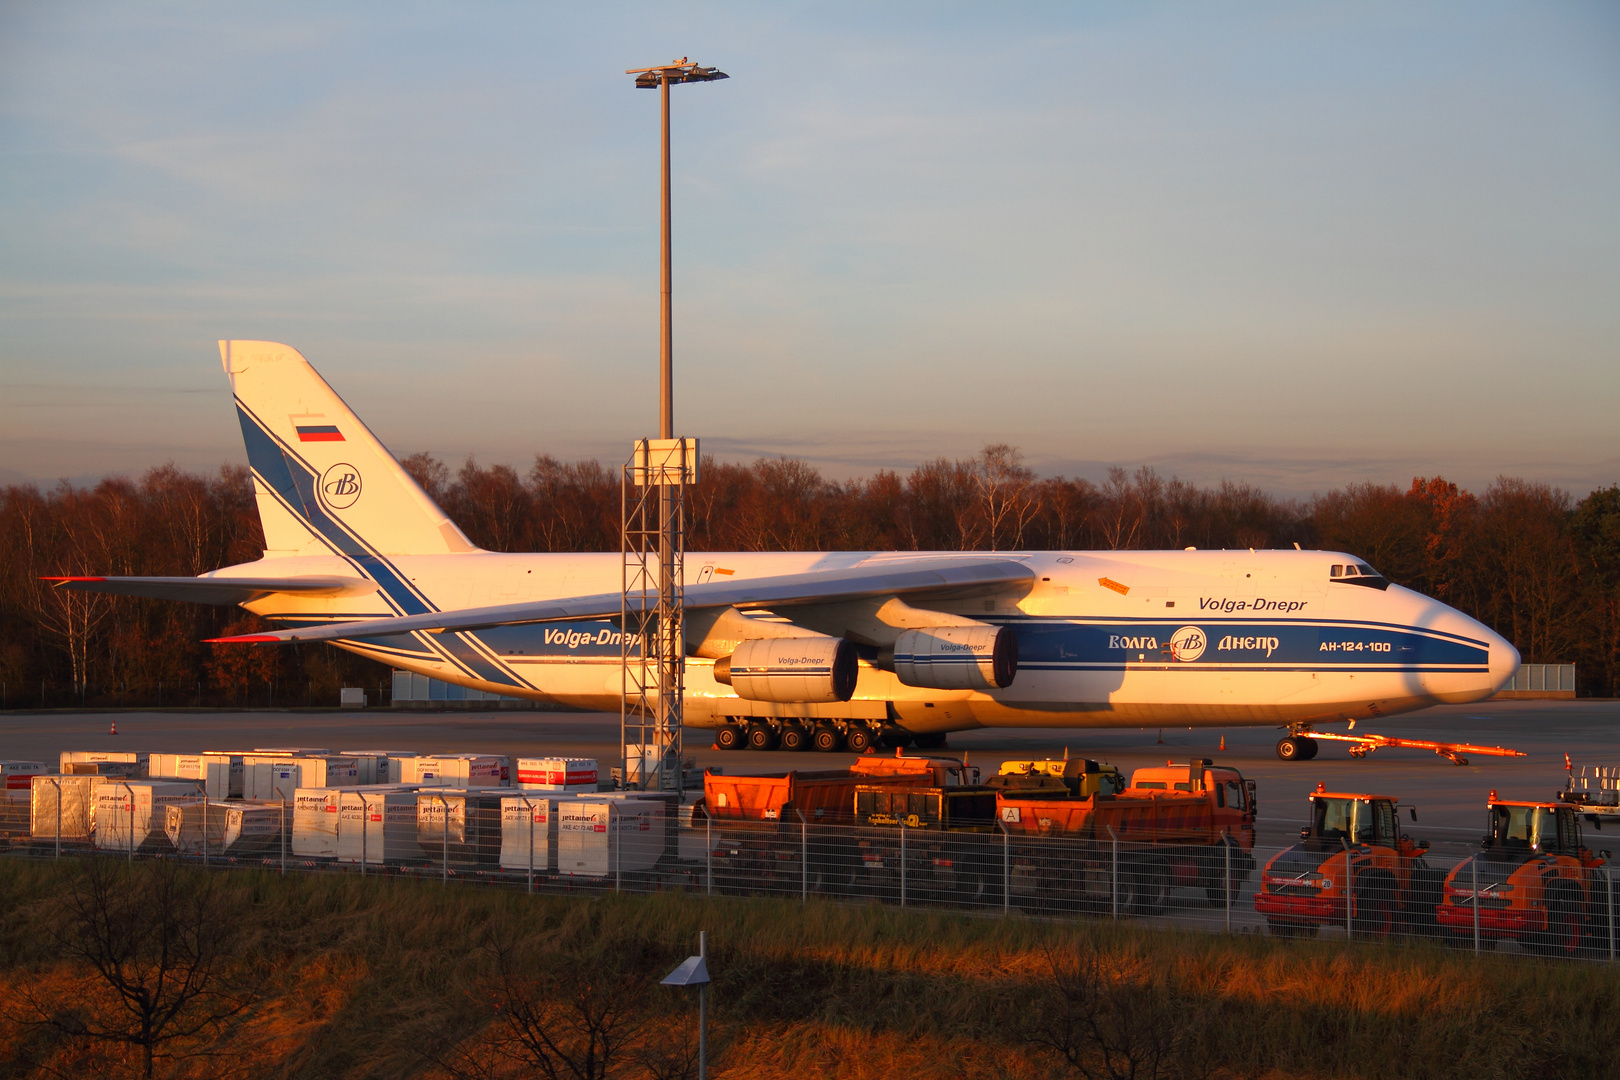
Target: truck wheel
827,738
1290,749
1563,934
1374,914
859,739
794,737
728,737
1428,885
761,737
1152,890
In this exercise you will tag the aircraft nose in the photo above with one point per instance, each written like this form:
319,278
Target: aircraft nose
1504,661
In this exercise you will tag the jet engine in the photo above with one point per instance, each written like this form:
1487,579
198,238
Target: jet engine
794,669
957,657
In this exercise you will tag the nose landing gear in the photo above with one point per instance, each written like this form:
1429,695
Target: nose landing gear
1297,748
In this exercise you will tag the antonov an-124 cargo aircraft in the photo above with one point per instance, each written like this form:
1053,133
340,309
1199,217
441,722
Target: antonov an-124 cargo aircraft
823,649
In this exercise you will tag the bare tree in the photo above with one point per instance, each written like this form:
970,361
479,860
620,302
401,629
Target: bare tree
1107,1025
1008,489
152,965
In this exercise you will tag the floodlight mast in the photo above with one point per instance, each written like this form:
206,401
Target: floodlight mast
657,629
662,77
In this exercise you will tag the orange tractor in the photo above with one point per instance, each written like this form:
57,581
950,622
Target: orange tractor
1352,866
1532,881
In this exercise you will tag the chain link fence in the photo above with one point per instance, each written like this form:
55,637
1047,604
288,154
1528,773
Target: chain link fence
635,842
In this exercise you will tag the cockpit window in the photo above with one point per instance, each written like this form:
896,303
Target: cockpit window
1338,570
1358,574
1366,570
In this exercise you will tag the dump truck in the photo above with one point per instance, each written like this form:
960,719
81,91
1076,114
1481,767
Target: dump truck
1184,825
758,822
1532,881
1352,863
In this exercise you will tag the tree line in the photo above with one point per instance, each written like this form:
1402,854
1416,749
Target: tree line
1526,558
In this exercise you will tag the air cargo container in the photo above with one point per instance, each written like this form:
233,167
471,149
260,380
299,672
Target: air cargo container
136,758
295,751
316,822
526,820
74,796
233,828
17,774
130,813
459,824
221,774
379,766
123,770
558,774
453,770
14,812
377,826
603,837
272,778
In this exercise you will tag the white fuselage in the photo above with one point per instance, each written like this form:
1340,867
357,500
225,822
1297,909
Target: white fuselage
1106,639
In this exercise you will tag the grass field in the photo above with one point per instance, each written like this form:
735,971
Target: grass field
327,976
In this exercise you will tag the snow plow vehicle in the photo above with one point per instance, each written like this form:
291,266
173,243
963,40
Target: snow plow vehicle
1353,867
1532,881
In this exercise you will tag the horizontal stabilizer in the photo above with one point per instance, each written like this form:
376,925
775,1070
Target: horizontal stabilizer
920,579
215,590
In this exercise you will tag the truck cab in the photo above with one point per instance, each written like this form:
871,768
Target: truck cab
1232,798
1532,880
1351,859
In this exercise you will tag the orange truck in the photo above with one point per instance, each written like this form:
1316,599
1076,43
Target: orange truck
757,821
1532,881
1352,862
1184,825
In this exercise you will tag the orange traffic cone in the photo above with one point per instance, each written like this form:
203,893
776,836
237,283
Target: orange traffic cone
1223,742
114,730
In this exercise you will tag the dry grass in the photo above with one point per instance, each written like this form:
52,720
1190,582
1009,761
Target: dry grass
390,978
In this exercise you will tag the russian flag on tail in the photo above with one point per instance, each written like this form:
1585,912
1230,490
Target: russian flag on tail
318,433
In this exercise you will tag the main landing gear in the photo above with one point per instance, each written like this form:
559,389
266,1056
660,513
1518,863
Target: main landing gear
1297,747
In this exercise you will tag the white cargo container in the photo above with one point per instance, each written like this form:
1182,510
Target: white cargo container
19,774
378,766
452,770
377,826
472,819
130,813
295,751
526,820
563,775
319,825
270,778
133,760
233,828
601,837
76,797
221,774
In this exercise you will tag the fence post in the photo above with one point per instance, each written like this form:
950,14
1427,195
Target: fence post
365,828
1006,869
57,784
205,824
902,864
1608,881
1473,865
1349,891
1226,882
708,850
1113,886
444,875
804,857
283,833
131,844
529,807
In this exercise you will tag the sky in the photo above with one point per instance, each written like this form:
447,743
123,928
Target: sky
1298,244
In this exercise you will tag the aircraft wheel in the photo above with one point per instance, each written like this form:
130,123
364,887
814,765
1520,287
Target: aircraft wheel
859,739
826,738
929,742
761,737
795,737
728,737
894,738
1311,746
1291,749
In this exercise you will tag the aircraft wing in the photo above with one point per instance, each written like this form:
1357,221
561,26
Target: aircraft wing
915,579
213,590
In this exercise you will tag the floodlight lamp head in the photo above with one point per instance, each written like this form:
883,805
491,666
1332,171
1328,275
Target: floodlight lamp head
676,71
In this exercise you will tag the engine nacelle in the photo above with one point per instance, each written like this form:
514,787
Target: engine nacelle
957,657
793,669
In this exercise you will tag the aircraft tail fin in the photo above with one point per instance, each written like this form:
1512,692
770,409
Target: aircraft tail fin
322,479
